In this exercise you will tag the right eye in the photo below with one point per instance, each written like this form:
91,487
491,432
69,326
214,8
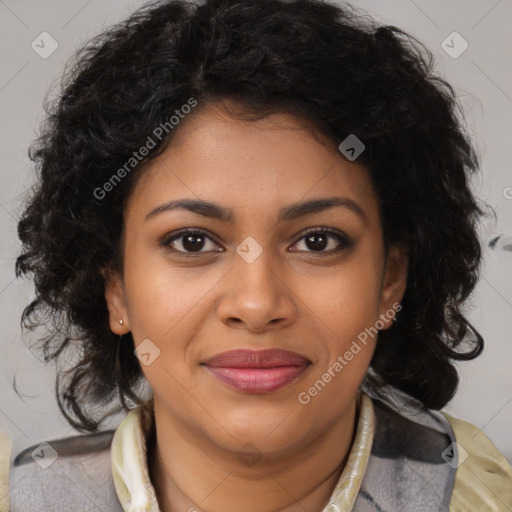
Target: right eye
190,241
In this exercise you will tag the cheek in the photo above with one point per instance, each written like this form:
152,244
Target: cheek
164,307
348,299
348,323
348,306
160,297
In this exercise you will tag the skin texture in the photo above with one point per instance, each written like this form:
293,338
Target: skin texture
194,306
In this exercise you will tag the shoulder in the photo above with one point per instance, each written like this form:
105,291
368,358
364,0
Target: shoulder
406,470
484,477
65,474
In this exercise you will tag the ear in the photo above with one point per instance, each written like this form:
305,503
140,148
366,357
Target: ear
116,303
394,283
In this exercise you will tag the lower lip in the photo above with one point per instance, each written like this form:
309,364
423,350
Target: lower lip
258,380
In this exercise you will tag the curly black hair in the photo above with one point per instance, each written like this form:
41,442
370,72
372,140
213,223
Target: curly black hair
332,66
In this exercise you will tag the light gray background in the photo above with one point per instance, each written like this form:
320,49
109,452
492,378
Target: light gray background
481,77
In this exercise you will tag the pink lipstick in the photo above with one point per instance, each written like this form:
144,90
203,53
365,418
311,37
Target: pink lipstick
257,371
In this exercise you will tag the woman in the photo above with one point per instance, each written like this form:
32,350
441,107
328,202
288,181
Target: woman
262,210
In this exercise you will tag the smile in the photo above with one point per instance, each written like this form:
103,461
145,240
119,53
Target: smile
257,371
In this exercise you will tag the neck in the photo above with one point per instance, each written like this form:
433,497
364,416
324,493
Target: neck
191,474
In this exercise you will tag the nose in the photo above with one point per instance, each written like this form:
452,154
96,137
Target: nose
256,295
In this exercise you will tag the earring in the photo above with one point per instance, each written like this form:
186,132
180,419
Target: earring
121,321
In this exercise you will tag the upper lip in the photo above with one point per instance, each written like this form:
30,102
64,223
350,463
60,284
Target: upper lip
266,358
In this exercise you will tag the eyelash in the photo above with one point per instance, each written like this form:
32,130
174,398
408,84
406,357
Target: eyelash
343,240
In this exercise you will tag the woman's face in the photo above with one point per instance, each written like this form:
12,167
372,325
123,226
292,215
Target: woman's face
289,256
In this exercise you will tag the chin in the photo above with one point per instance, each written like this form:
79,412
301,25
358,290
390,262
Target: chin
267,431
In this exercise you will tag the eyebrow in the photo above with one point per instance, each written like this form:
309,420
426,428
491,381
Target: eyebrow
295,211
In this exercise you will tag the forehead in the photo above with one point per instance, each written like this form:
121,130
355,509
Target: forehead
250,165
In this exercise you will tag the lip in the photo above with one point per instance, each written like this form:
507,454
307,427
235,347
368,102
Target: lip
257,371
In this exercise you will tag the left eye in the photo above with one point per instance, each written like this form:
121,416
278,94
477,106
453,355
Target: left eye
323,241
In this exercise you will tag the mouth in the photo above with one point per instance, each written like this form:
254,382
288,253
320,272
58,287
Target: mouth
257,371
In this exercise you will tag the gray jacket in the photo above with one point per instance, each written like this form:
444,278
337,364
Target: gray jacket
411,468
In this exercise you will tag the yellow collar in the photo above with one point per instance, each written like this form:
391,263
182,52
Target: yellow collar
136,493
